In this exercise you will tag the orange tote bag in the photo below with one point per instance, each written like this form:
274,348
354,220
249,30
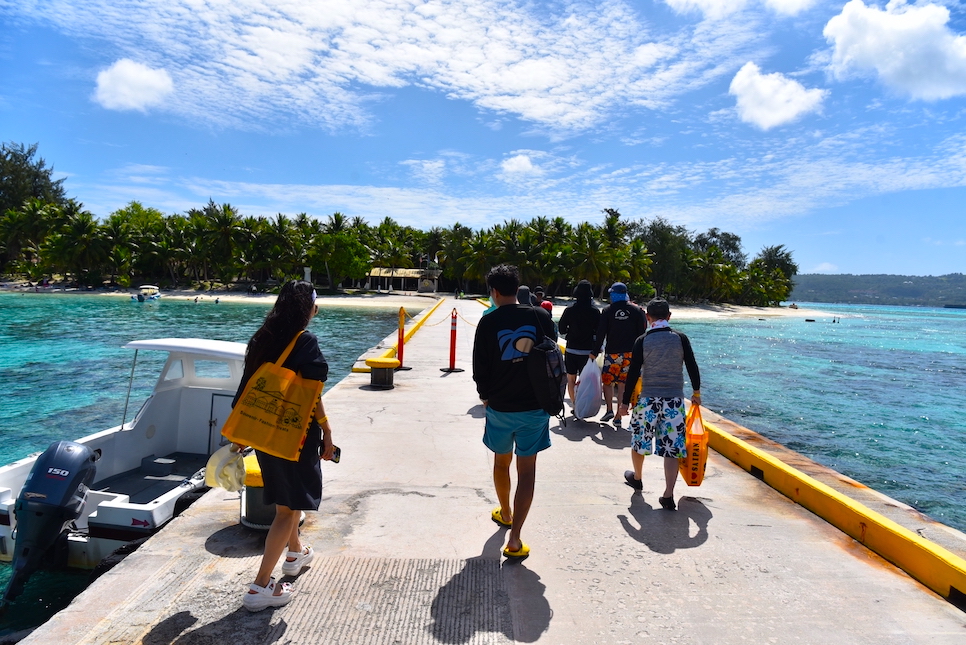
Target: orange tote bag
274,412
692,467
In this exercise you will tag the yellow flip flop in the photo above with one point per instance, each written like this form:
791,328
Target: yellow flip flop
497,516
520,553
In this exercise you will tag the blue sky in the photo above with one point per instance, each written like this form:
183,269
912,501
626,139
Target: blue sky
836,129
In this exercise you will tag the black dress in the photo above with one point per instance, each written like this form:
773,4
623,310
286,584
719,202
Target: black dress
297,484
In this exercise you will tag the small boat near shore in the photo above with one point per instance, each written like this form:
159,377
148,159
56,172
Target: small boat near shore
147,292
79,501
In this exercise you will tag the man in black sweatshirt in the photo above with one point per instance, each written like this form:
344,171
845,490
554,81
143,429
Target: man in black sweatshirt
657,358
621,323
515,422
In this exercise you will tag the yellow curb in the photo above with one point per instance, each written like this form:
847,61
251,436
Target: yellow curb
940,570
385,363
391,351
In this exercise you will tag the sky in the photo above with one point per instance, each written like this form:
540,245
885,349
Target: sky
837,129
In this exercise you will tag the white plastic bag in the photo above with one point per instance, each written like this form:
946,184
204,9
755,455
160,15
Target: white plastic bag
587,397
225,469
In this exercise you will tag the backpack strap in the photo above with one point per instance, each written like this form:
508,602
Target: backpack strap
540,331
288,350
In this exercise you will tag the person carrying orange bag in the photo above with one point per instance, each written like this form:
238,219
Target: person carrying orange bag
658,417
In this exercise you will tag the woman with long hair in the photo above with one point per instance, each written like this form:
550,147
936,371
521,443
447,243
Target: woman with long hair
293,486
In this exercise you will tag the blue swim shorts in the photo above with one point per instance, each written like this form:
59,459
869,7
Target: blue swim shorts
529,431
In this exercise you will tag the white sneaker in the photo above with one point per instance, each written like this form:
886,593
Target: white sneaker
302,558
259,598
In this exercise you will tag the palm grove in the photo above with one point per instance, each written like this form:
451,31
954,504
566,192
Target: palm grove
43,232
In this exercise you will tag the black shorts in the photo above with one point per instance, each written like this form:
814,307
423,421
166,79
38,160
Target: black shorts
575,362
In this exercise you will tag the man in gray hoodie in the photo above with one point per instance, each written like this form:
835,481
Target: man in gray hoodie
658,417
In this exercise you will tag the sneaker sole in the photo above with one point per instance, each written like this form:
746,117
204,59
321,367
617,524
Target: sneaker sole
261,602
293,570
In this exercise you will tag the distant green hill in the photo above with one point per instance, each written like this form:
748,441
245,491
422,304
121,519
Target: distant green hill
933,291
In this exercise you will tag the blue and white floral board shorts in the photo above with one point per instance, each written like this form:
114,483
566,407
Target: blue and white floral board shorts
659,420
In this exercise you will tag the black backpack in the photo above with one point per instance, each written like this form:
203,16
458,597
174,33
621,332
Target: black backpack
548,376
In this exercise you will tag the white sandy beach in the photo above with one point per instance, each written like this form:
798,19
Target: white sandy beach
707,312
409,299
377,300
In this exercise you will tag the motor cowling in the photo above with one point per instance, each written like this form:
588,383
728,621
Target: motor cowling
53,496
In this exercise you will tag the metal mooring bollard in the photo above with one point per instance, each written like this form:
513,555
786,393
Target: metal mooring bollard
382,371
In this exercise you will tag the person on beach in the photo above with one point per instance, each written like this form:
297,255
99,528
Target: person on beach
578,324
621,322
659,416
515,422
293,486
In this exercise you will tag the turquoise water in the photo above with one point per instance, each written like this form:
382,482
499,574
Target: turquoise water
876,397
64,374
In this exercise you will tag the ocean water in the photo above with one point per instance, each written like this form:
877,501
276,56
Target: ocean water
64,374
877,396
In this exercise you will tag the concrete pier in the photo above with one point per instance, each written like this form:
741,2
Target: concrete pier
407,552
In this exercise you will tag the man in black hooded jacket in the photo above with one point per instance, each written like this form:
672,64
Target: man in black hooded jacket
578,325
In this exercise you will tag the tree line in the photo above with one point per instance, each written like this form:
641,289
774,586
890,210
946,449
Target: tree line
933,291
43,232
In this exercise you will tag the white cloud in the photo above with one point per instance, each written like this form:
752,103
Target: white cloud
802,175
769,100
519,164
430,171
719,9
910,48
789,7
944,242
247,63
142,174
825,267
713,9
128,85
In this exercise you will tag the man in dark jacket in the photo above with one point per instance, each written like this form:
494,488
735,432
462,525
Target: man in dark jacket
578,325
621,323
515,422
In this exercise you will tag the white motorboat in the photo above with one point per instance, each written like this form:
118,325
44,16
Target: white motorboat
147,292
79,501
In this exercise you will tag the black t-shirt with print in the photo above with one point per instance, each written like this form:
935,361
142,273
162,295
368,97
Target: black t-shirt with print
503,340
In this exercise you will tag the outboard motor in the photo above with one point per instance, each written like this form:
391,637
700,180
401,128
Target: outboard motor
52,497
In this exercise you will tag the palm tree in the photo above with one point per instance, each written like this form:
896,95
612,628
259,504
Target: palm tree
450,256
117,231
638,261
778,257
221,235
79,247
589,255
171,246
708,267
479,255
282,242
336,223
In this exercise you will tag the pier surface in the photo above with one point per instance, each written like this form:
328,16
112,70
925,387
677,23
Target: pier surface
407,552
